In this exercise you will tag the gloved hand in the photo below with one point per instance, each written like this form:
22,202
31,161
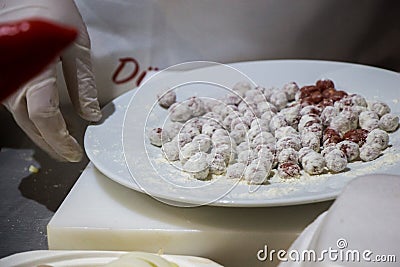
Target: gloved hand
35,106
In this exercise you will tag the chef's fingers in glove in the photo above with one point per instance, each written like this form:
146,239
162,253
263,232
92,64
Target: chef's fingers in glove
16,104
79,78
36,110
35,106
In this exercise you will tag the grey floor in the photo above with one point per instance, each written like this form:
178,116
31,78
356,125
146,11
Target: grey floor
27,200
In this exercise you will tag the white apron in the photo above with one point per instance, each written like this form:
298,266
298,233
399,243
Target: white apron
130,37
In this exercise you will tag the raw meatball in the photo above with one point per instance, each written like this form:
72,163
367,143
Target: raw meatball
191,130
249,114
253,132
196,106
358,100
222,110
292,115
197,166
315,128
277,122
324,84
313,163
251,95
379,108
331,136
170,130
389,122
354,100
292,141
288,155
303,152
216,163
352,117
155,136
210,103
307,121
203,142
328,149
166,99
213,116
328,114
182,139
259,98
285,131
267,164
358,136
263,138
378,137
358,109
288,170
232,99
241,120
369,125
241,127
246,156
268,115
265,106
341,124
265,155
180,112
310,140
290,89
246,105
311,110
228,120
350,149
366,116
243,146
369,152
255,173
269,91
235,171
171,150
270,146
242,87
187,151
226,150
221,139
210,127
279,99
260,124
220,132
336,160
196,122
238,136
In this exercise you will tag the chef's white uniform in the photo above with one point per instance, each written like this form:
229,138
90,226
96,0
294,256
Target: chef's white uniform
129,37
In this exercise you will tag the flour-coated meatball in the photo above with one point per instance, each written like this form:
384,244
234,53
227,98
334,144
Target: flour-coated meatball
378,137
336,160
369,152
166,99
389,122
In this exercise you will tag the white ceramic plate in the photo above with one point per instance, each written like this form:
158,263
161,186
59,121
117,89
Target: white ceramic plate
149,173
76,258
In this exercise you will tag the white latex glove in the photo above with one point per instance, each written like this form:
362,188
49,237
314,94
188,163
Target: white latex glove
35,106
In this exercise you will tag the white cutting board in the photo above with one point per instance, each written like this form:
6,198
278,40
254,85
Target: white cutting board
99,214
